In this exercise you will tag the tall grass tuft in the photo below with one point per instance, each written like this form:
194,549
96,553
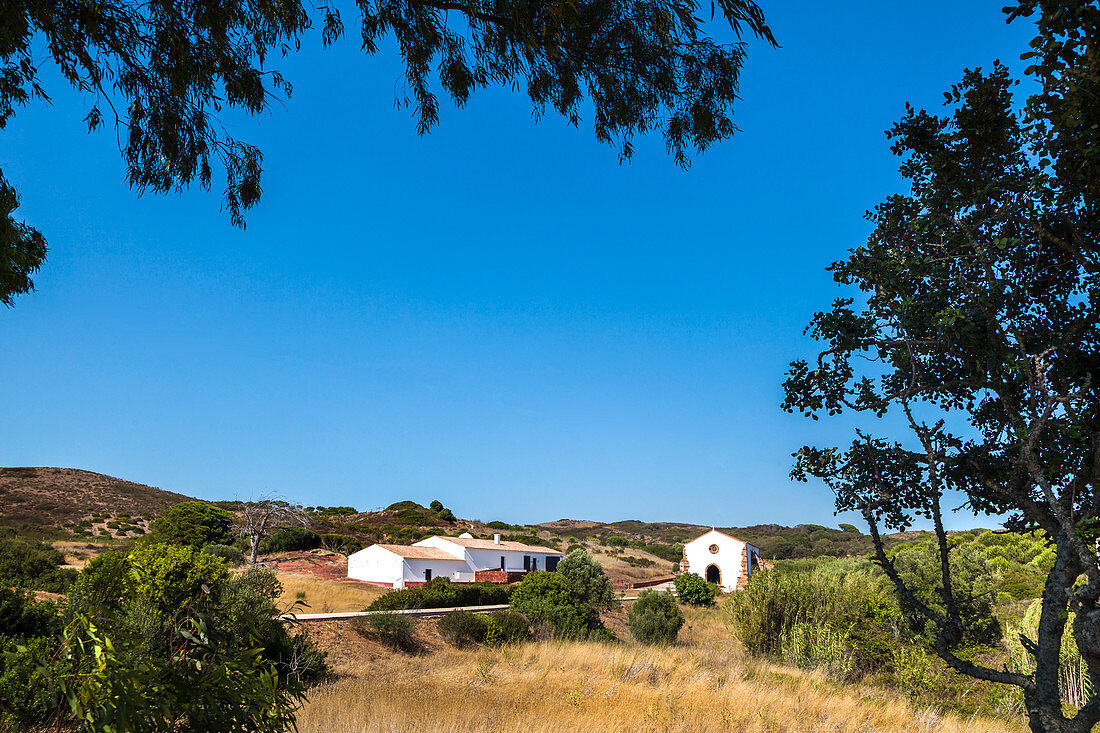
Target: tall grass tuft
1073,679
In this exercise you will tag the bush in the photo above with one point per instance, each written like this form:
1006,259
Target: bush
291,539
973,582
226,552
693,590
193,523
392,629
463,628
172,577
655,618
548,600
27,644
341,543
35,565
506,627
441,593
588,581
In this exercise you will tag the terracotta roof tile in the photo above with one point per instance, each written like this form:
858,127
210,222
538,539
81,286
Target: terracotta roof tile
476,544
419,553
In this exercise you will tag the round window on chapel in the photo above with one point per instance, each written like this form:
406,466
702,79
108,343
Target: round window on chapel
714,549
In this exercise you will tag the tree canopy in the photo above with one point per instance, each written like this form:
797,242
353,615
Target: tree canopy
978,323
159,74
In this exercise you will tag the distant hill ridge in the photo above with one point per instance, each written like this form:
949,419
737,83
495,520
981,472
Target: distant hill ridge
50,497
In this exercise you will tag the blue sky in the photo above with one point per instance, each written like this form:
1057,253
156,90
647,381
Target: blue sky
498,315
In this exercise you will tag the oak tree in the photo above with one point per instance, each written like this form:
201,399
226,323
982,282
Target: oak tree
977,322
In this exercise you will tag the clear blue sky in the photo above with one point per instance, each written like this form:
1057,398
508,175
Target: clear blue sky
498,315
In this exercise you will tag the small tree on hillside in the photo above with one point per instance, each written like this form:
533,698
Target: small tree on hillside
192,523
257,518
588,580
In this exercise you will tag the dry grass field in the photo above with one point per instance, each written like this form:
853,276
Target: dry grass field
704,684
325,596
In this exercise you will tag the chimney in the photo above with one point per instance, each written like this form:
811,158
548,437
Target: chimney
496,539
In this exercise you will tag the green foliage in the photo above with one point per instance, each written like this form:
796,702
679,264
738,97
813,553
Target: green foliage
776,608
446,515
35,565
391,629
290,539
193,523
588,580
28,641
506,627
1073,678
441,593
974,585
336,511
172,576
463,628
655,618
230,554
693,590
436,506
615,541
208,682
103,585
341,543
549,601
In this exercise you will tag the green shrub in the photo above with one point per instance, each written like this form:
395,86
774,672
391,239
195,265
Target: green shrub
973,582
291,539
35,565
226,552
102,585
341,543
441,593
693,590
193,523
549,601
171,577
654,618
463,628
506,627
392,629
588,580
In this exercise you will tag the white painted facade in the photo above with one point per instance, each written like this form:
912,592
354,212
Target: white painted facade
721,559
457,558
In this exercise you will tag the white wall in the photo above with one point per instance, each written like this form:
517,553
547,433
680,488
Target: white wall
413,568
728,558
376,565
513,559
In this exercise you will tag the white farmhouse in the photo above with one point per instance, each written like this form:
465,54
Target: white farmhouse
463,559
722,559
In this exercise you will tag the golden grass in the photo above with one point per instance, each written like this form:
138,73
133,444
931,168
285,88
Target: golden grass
325,596
581,687
704,684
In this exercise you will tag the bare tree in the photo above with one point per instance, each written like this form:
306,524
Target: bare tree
258,518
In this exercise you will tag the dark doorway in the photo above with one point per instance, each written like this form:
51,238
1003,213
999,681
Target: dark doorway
428,574
552,563
714,575
502,562
526,562
534,563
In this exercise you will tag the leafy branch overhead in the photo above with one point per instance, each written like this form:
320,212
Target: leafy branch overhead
158,75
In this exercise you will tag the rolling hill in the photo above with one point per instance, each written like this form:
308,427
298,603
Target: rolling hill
45,500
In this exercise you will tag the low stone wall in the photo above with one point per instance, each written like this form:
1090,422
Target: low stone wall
499,576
